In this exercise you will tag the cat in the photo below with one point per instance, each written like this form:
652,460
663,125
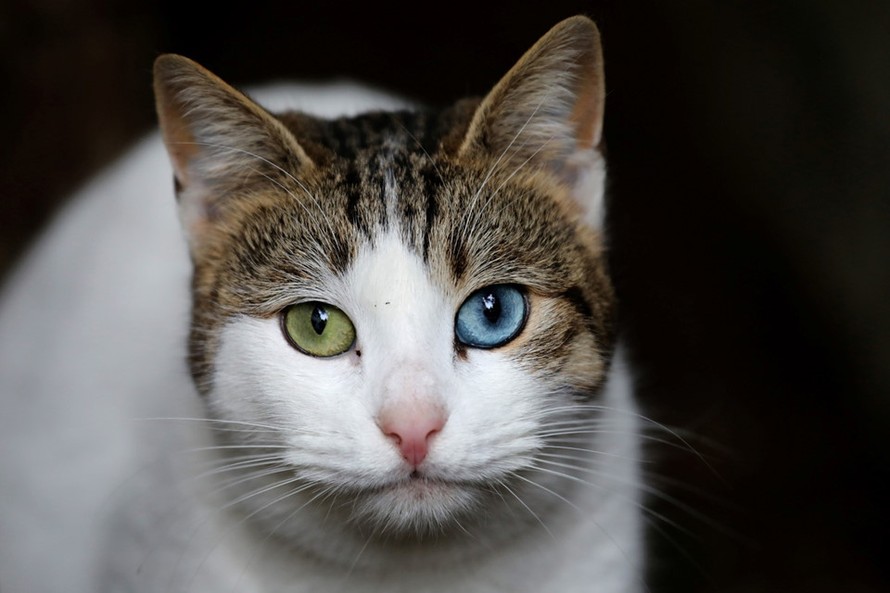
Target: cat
403,368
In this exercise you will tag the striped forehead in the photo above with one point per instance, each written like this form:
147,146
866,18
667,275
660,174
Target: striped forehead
435,210
384,176
393,190
463,230
391,175
380,170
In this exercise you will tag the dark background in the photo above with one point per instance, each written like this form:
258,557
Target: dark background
748,145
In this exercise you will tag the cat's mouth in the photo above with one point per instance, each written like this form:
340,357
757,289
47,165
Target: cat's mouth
416,503
419,481
418,484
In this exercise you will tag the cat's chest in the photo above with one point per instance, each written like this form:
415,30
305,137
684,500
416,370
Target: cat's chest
583,558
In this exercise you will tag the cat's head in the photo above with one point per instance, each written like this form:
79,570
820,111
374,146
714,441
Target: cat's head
393,311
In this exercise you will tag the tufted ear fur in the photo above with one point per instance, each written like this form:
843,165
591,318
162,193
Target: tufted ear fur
218,140
547,113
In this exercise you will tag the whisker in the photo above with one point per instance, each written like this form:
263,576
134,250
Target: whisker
503,485
663,427
260,491
248,476
509,177
271,533
279,168
569,424
234,447
421,146
220,461
470,207
246,518
546,489
587,457
605,532
257,427
649,516
355,560
641,486
644,437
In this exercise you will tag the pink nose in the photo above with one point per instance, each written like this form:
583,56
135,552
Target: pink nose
412,427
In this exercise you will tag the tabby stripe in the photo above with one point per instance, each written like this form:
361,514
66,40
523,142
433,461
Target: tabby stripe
429,178
352,184
341,136
575,297
457,255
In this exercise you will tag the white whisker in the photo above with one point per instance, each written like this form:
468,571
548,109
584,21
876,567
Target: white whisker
586,515
527,508
587,457
493,194
663,427
640,486
262,544
247,517
428,156
247,426
326,239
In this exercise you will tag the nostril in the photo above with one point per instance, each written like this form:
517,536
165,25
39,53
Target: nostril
411,429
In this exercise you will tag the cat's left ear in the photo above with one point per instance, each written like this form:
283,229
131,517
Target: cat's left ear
547,113
219,141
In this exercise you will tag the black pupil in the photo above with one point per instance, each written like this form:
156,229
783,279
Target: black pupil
319,319
491,306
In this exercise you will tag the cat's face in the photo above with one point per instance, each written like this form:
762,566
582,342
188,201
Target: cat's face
398,311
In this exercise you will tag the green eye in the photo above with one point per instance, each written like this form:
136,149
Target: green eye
318,329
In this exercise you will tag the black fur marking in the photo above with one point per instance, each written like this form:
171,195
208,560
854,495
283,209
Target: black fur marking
457,256
430,184
377,168
340,255
342,136
576,298
400,161
352,182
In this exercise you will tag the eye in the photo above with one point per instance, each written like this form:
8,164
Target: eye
318,329
491,317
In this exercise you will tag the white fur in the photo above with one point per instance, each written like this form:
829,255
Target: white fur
588,188
97,492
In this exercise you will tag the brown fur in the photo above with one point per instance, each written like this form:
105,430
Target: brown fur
274,205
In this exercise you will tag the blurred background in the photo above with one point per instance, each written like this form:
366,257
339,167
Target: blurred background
749,147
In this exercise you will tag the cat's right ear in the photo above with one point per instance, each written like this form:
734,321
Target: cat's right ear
546,115
218,139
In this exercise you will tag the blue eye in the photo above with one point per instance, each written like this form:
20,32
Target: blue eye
491,317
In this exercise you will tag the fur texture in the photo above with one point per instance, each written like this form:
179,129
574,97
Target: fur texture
280,474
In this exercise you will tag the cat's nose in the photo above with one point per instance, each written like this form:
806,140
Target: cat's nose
411,426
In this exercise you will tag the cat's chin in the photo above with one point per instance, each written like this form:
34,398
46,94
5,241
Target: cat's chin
416,506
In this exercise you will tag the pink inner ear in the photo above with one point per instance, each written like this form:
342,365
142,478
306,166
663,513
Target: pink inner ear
181,145
411,425
587,116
